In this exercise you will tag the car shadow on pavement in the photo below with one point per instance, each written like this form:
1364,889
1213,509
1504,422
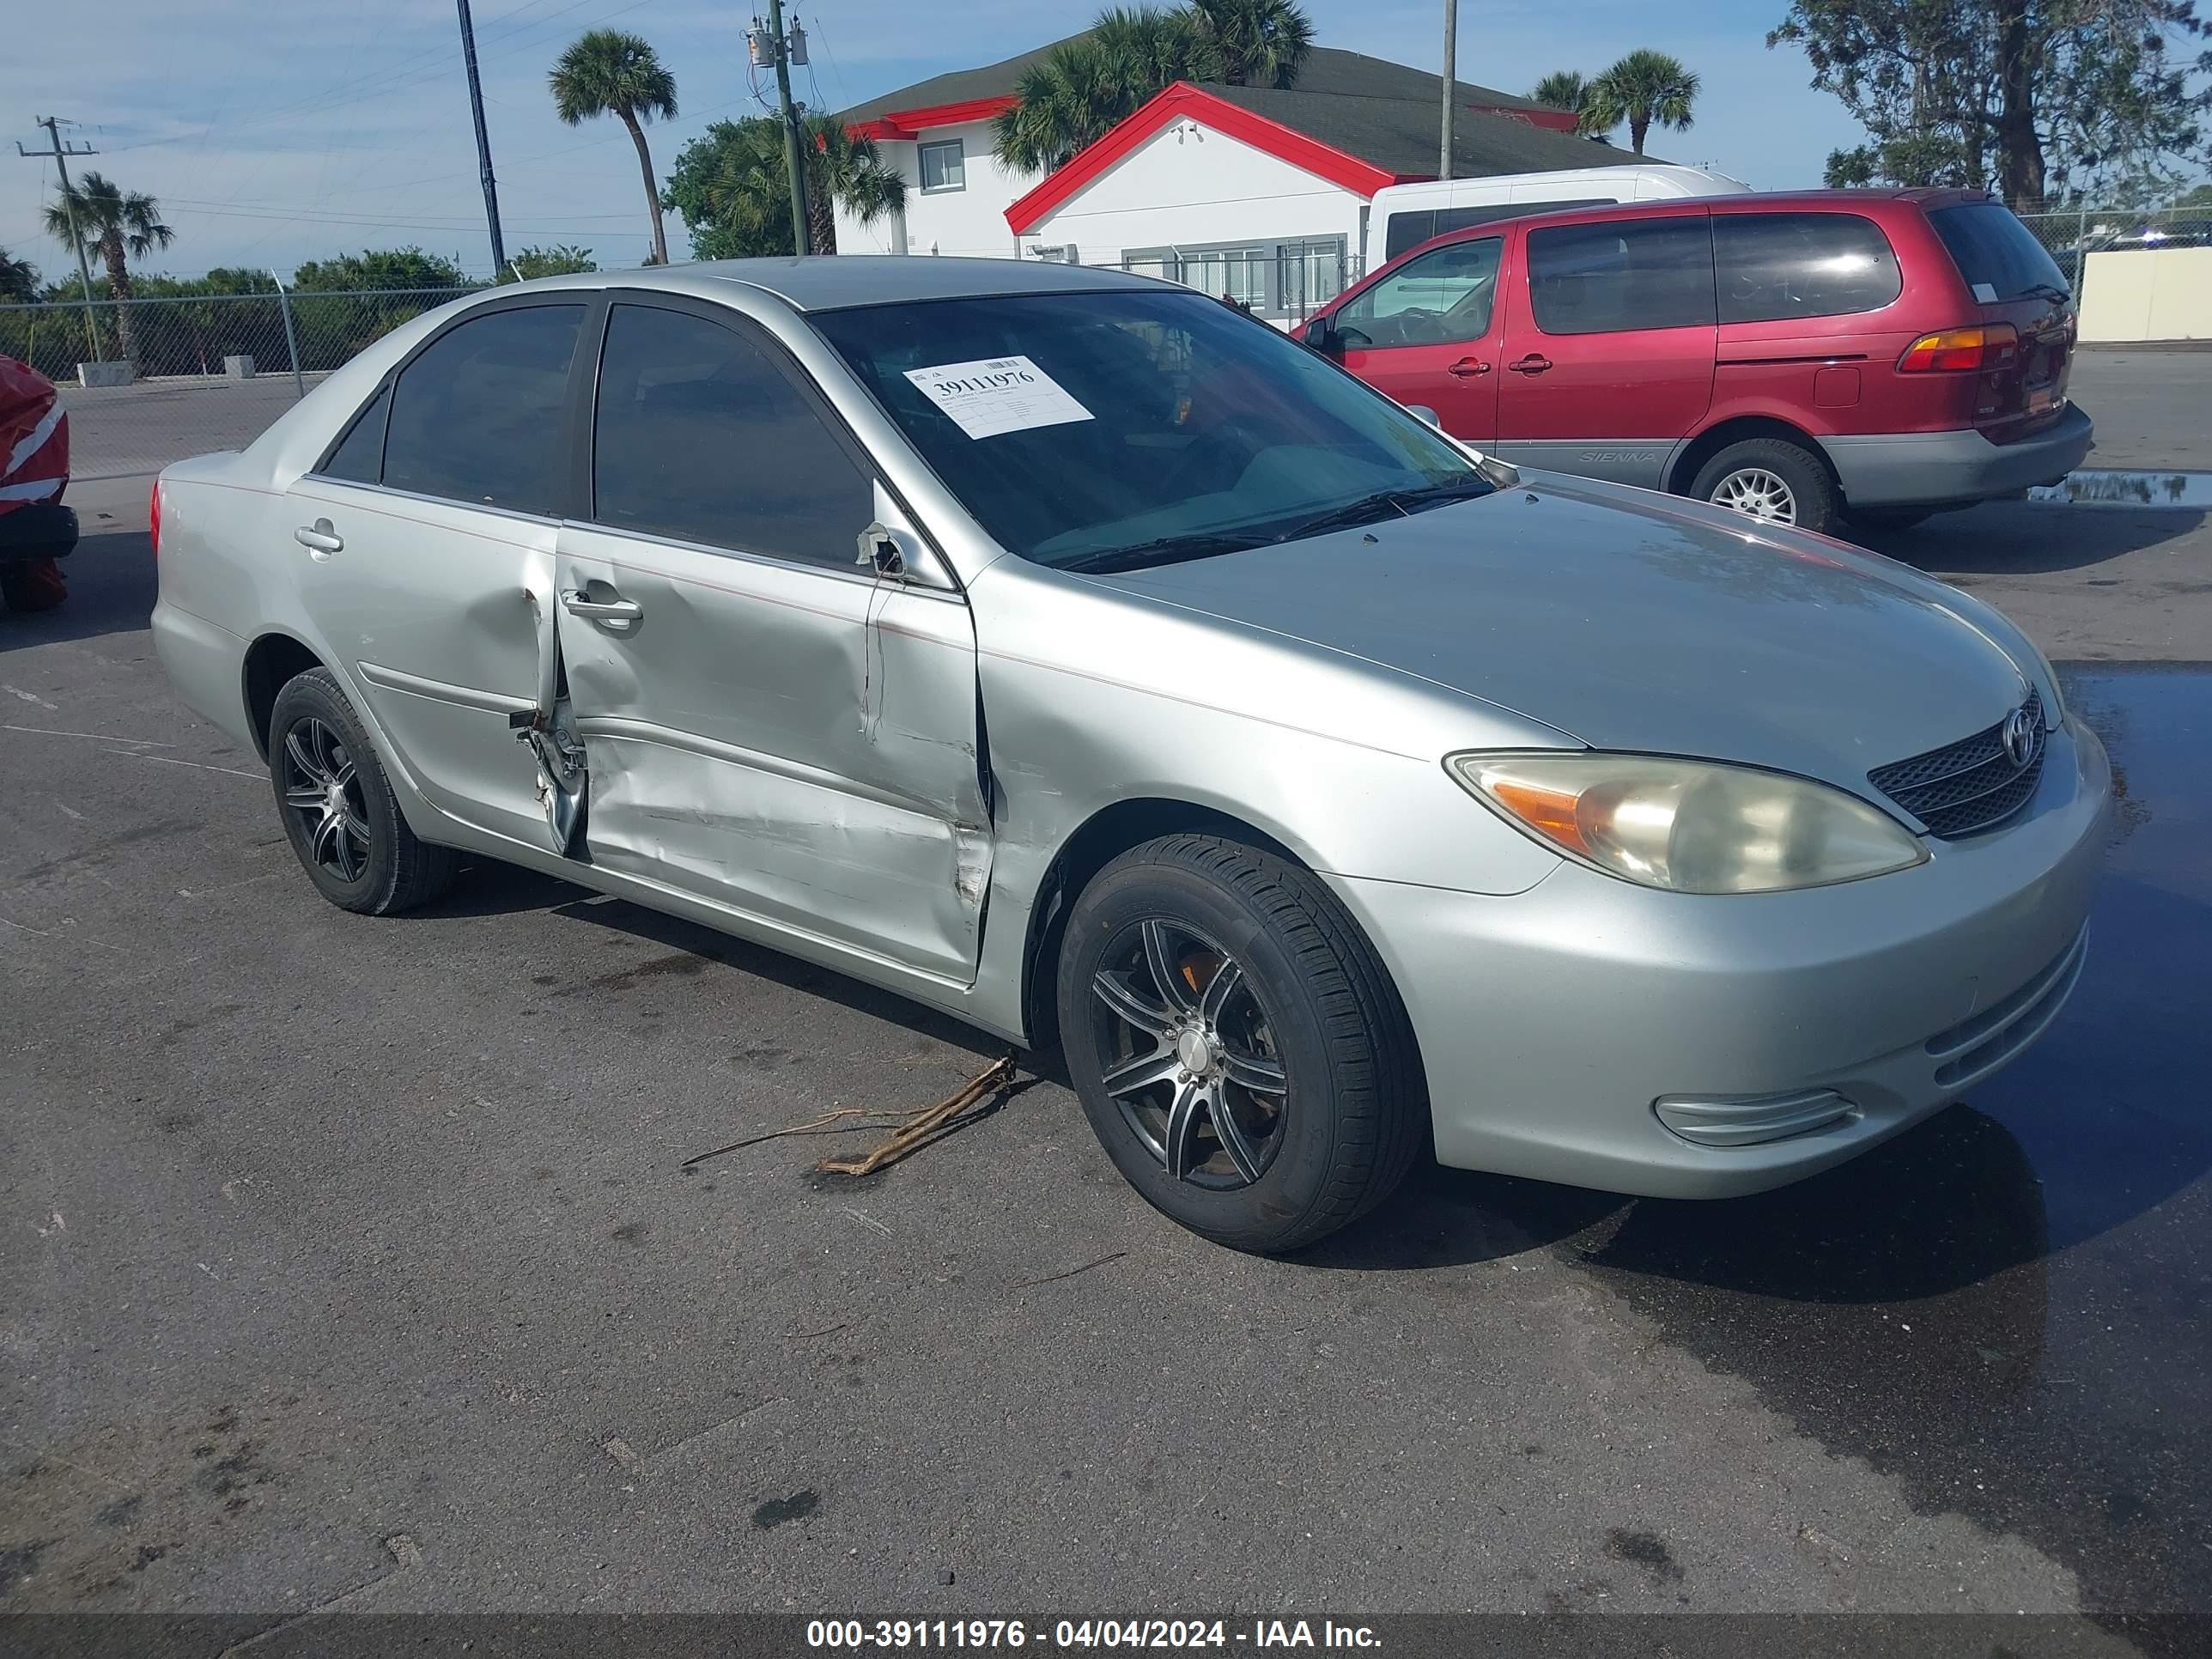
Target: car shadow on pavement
488,887
111,589
2015,539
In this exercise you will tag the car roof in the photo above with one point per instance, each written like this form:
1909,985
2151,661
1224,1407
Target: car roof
834,281
1754,201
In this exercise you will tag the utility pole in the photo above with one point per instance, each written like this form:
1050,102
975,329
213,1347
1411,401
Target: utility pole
59,150
771,42
483,139
1451,85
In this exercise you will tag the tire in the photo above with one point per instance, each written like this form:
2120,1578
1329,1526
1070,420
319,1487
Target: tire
1307,1052
365,859
31,584
1888,519
1796,483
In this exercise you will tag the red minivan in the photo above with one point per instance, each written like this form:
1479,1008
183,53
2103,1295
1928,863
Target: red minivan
1879,354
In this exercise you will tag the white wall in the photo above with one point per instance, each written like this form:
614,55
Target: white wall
971,222
2148,294
1189,184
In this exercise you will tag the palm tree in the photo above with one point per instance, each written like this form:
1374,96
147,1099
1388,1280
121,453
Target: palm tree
1254,43
1067,101
19,279
1644,89
845,170
1566,90
110,222
612,72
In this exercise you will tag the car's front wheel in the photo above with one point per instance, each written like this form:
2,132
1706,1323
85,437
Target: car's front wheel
339,812
1770,479
1236,1044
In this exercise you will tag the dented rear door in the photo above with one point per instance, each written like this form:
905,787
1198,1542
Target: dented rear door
768,725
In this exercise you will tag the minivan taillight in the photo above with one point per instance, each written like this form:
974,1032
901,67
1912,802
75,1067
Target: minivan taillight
1984,346
153,518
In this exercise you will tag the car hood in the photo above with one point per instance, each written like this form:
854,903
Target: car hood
1634,621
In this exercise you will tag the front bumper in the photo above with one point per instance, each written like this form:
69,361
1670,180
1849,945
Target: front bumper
41,530
1932,469
1552,1023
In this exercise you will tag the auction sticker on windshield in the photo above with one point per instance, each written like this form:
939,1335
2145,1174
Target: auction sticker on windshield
995,395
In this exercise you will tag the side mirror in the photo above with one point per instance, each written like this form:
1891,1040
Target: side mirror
880,550
1322,337
1423,413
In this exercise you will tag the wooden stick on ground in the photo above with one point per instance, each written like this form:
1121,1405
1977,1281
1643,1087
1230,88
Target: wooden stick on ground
910,1130
922,1125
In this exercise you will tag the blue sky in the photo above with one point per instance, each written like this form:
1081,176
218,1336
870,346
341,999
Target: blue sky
276,134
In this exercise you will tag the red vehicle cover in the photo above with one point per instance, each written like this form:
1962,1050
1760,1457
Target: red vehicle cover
34,437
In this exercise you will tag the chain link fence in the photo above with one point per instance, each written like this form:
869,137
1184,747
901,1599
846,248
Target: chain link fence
2071,235
206,372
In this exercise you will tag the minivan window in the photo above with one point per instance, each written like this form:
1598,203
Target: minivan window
1620,275
1112,428
359,457
1435,298
1997,255
1410,230
701,435
1774,266
477,417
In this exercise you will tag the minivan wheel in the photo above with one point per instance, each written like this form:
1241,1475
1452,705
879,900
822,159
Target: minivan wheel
339,812
1236,1044
1770,479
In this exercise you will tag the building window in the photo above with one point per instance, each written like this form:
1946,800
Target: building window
944,167
1286,280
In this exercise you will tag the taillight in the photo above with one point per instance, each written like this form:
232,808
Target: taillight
153,518
1985,346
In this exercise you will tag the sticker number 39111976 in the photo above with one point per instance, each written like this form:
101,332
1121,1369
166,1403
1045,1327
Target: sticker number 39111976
994,395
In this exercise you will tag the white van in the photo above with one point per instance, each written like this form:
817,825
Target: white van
1403,216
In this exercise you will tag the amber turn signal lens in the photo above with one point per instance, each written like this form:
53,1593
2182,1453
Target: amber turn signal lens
1985,346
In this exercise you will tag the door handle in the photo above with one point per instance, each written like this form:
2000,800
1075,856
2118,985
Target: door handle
614,613
1468,366
320,538
1534,363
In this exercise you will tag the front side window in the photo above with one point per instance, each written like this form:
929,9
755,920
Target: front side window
1619,275
1774,266
1110,429
1444,296
477,417
701,436
944,166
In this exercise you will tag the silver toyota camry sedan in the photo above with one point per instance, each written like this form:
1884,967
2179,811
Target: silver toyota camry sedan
1074,654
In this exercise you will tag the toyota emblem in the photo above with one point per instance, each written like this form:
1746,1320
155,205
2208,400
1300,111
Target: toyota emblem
2018,738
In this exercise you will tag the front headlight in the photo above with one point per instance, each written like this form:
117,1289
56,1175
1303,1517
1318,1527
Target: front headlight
1689,826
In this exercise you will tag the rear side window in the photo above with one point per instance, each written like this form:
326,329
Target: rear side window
703,436
1773,266
1622,275
1408,230
1997,255
477,417
1444,296
359,457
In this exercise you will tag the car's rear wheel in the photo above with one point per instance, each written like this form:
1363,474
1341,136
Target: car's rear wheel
1770,479
1236,1044
339,812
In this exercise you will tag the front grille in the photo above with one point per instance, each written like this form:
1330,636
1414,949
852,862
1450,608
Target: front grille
1967,785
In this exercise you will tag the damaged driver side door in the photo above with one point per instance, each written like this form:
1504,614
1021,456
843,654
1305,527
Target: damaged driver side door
770,723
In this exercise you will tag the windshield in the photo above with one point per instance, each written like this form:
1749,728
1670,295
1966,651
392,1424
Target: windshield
1105,430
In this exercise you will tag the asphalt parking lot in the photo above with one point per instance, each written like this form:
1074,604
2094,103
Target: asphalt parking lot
353,1263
